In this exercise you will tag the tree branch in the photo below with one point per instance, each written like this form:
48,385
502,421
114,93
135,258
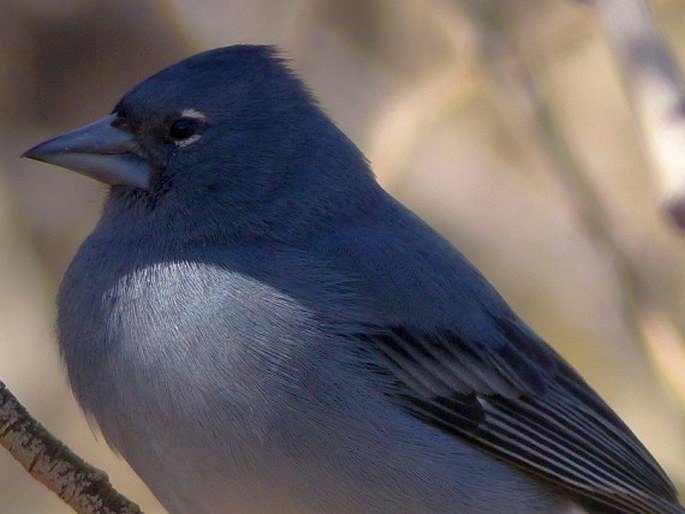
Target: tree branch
85,488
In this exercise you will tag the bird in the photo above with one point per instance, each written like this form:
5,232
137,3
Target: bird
256,325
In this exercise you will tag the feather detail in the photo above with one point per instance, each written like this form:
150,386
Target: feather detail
520,402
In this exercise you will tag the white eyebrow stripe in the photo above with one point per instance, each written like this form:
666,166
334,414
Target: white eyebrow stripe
193,113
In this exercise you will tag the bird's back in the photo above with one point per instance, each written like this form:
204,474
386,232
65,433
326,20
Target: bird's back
460,359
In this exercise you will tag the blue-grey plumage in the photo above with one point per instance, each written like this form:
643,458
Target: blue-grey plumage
256,326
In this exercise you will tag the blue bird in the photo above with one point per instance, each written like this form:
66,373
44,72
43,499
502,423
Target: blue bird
256,326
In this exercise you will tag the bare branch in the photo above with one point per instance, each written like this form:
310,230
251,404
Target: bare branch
85,488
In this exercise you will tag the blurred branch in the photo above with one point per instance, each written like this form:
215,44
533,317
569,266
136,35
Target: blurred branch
403,118
524,91
655,85
85,488
665,345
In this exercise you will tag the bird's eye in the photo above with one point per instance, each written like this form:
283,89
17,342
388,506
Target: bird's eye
187,128
184,129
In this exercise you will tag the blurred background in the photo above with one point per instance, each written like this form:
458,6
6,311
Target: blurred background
504,124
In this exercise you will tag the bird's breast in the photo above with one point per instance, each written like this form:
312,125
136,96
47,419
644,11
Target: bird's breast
179,341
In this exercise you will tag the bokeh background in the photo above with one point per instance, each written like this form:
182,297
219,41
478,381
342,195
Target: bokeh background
503,123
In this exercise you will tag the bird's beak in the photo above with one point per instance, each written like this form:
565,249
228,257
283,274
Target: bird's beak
100,151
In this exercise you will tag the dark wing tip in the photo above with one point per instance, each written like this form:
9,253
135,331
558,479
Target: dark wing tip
553,426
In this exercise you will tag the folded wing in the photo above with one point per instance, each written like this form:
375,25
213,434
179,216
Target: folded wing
519,401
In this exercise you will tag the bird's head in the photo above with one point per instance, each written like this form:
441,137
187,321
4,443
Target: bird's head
222,132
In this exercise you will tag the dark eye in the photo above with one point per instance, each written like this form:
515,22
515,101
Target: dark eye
183,129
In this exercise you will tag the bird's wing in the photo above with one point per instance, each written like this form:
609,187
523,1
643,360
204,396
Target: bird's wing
519,401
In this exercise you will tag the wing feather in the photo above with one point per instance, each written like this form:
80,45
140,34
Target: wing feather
517,399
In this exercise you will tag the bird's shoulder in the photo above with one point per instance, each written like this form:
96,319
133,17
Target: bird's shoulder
455,356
